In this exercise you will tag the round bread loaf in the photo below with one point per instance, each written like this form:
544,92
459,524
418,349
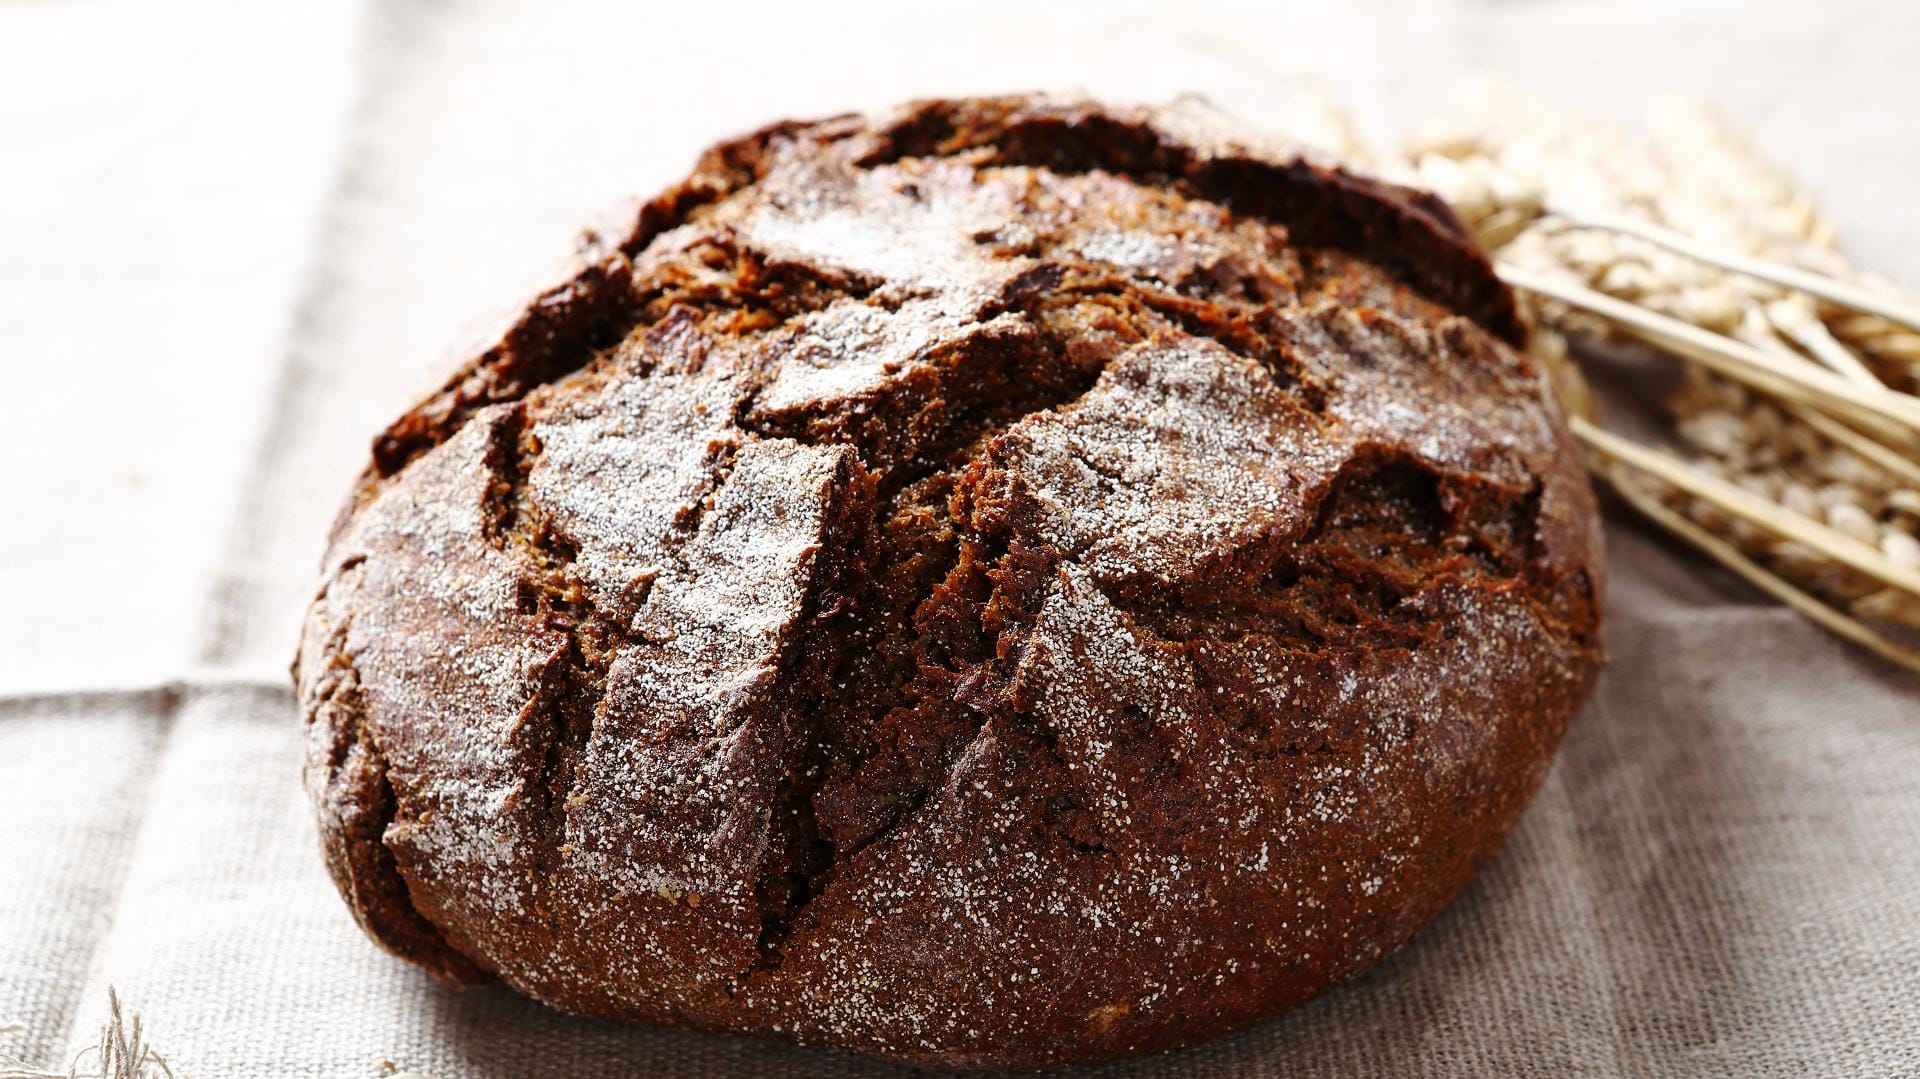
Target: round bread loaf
1007,582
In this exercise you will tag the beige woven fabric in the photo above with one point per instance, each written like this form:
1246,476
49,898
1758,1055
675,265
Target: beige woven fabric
233,237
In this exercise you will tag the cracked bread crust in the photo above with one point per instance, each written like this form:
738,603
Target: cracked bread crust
1006,582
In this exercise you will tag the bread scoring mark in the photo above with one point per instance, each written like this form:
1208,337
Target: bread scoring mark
557,721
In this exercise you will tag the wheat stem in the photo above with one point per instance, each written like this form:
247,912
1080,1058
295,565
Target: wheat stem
1752,508
1759,576
1887,342
1807,331
1737,360
1886,458
1812,284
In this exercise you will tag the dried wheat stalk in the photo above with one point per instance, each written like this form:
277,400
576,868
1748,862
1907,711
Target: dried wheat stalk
121,1053
1647,501
1800,467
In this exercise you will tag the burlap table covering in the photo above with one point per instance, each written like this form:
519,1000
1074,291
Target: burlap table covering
234,237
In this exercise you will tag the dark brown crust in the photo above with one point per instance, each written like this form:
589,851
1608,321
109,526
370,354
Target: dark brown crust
1010,582
347,778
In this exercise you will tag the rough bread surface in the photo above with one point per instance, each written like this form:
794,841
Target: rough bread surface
1005,582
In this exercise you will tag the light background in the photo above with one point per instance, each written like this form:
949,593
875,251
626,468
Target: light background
234,237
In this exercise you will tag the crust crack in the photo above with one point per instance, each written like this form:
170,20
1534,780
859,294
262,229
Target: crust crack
360,799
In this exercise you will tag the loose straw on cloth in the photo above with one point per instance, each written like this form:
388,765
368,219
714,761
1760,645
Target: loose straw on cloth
121,1053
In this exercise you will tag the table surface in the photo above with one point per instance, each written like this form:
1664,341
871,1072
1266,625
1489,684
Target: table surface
235,238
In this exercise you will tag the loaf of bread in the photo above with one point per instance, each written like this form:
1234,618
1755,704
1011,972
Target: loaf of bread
1004,582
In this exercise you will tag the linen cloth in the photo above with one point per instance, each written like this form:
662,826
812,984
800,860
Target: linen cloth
232,238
